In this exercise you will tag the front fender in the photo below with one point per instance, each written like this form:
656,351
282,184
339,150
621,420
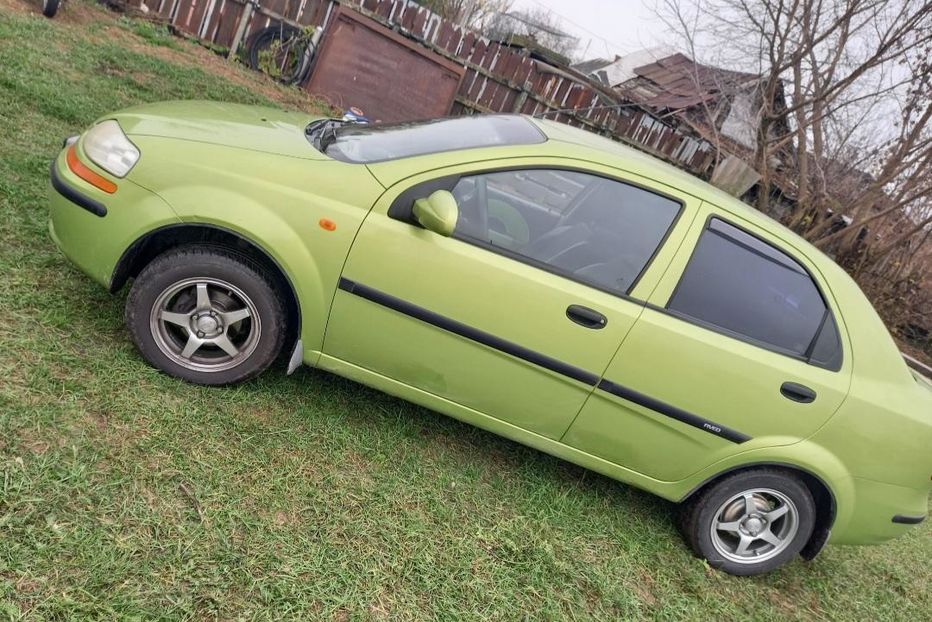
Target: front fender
310,257
93,243
275,202
269,232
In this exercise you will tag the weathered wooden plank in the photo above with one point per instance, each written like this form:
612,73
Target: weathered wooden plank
419,22
444,39
408,15
465,46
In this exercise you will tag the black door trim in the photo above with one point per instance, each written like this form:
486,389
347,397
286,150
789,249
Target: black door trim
542,360
673,412
463,330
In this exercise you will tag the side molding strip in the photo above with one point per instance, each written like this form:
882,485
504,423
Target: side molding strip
474,334
95,207
541,360
673,412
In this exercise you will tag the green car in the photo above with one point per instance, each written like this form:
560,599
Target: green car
535,280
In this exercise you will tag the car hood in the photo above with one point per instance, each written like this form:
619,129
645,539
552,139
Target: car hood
257,128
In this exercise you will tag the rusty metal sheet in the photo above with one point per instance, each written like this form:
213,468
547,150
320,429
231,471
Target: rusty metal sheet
362,63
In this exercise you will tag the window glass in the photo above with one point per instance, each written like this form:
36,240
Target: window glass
375,143
596,230
826,350
739,283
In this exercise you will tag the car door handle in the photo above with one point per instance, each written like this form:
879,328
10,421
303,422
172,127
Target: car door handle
797,392
584,316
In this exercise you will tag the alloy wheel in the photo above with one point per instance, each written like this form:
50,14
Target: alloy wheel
754,525
205,324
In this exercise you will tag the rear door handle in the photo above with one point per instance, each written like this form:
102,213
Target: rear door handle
797,392
584,316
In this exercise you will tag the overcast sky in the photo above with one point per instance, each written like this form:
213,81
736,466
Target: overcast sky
605,27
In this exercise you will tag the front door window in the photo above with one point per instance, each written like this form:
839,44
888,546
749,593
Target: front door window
592,229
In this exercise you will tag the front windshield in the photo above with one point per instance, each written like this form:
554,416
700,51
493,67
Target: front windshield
380,142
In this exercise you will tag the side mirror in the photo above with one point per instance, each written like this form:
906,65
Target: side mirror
437,213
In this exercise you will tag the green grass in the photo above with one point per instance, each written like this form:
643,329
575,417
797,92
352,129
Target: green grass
129,495
156,34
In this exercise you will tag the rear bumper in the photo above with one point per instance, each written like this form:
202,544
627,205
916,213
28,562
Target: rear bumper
881,512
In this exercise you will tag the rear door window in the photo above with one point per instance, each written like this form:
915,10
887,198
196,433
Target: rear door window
740,285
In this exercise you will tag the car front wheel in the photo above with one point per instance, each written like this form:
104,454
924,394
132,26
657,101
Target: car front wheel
751,522
206,315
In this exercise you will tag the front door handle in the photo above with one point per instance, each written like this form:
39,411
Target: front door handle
584,316
797,392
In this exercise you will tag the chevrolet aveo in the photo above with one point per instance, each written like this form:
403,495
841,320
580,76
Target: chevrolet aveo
535,280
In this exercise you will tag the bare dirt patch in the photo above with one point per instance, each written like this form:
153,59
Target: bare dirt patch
22,6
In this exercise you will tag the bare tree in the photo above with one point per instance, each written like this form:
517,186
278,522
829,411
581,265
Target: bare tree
852,137
539,25
474,14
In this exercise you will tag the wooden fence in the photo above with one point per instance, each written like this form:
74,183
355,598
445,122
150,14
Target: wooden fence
498,78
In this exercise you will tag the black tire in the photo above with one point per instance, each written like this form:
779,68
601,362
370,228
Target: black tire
50,7
243,308
726,501
280,33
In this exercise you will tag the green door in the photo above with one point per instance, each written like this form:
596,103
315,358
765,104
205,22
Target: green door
519,312
740,349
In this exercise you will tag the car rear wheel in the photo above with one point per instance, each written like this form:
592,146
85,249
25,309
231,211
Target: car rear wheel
751,522
206,315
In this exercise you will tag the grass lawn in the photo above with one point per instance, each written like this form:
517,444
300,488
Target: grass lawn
129,495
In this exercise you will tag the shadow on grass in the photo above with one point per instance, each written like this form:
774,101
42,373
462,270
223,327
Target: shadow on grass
469,446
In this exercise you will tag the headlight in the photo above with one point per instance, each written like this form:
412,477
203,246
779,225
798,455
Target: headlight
109,148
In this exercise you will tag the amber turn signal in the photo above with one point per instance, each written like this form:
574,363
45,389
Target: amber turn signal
327,225
78,168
